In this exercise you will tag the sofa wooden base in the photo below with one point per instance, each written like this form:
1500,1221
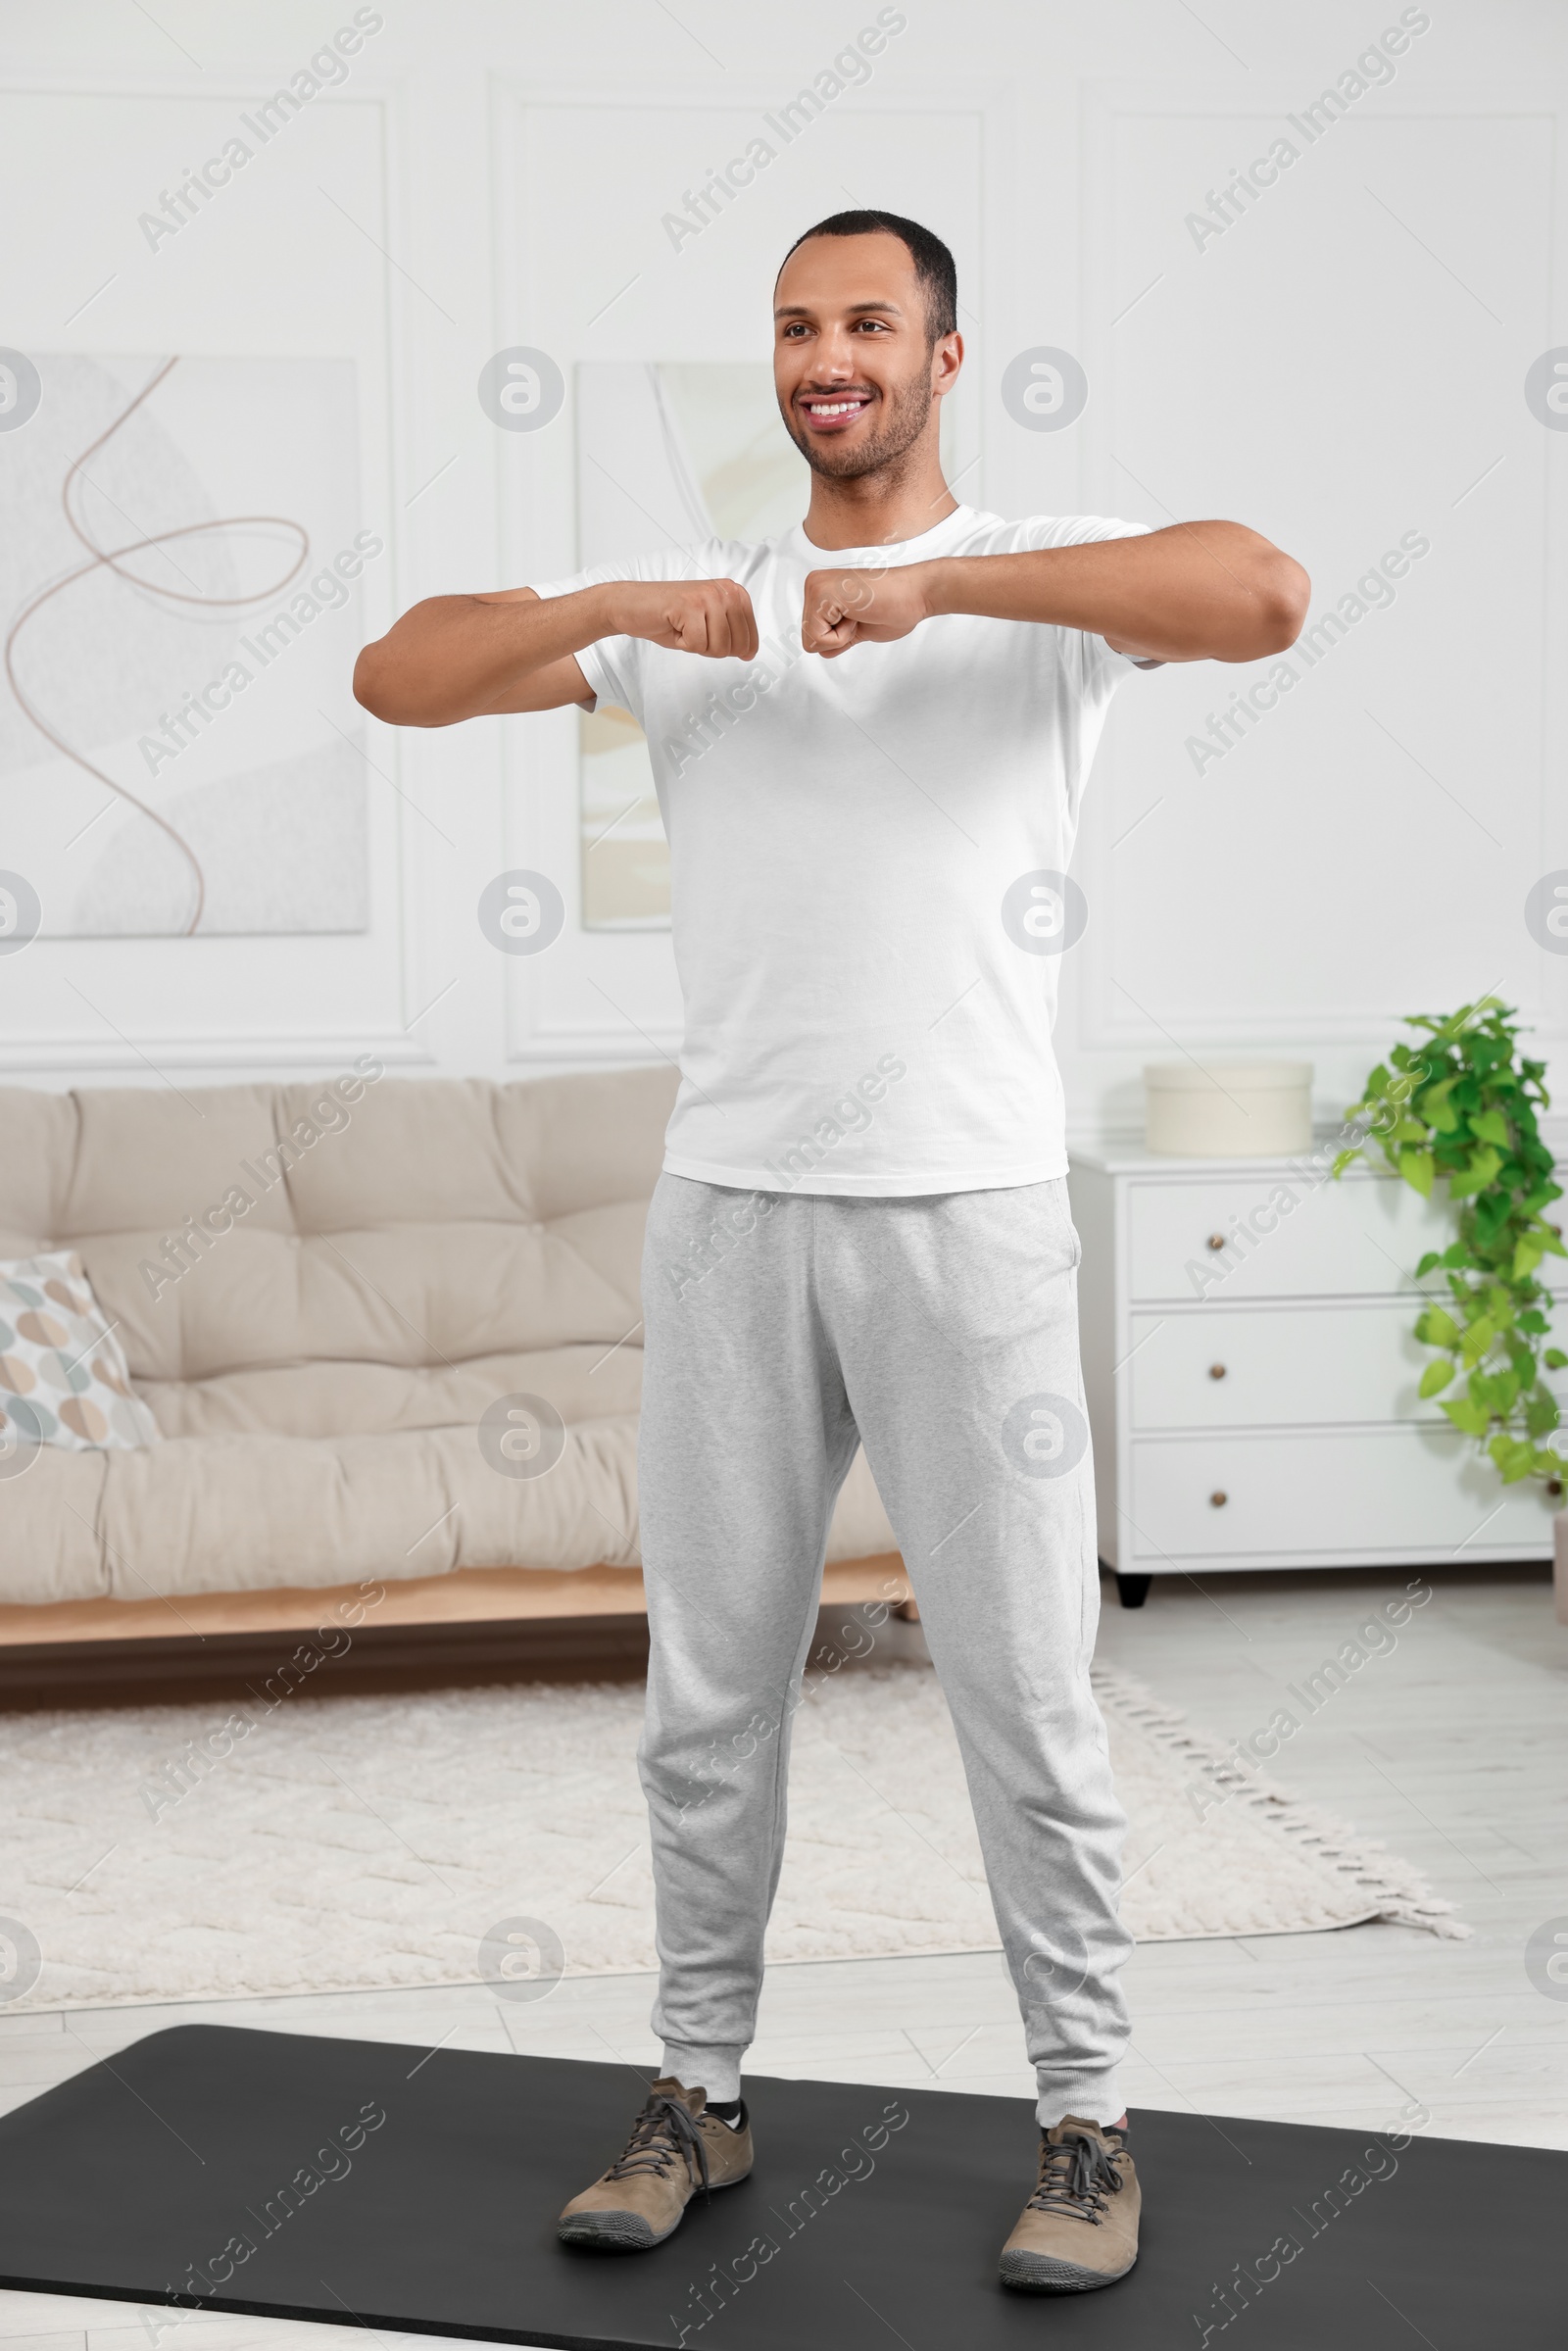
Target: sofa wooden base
479,1624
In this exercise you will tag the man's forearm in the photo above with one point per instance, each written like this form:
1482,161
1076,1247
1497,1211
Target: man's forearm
463,657
1200,591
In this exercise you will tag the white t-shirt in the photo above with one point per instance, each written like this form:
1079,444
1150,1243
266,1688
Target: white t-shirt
866,867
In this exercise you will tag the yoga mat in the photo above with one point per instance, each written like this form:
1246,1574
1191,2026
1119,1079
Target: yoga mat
373,2184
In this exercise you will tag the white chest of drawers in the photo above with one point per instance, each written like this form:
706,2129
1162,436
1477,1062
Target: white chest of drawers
1253,1382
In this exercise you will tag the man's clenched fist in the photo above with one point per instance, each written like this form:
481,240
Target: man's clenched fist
845,608
711,616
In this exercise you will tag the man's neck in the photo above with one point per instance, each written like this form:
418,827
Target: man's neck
878,510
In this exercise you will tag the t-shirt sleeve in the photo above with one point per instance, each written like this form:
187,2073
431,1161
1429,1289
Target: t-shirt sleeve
1094,663
609,664
615,667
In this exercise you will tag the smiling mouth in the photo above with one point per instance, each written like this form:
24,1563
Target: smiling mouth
836,409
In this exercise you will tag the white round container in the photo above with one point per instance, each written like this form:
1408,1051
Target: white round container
1228,1109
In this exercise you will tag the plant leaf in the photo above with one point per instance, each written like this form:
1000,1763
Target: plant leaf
1436,1327
1472,1419
1476,1339
1542,1414
1466,1181
1418,1170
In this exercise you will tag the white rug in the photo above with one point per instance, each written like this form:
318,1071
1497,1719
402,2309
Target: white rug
355,1841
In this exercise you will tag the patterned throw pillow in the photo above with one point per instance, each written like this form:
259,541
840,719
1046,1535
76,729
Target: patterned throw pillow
63,1377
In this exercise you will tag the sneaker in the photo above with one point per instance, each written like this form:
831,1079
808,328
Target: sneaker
1080,2228
674,2149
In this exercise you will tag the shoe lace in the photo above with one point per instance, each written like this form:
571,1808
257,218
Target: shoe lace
1077,2172
664,2133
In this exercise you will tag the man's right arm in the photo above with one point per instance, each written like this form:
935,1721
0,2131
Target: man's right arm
474,656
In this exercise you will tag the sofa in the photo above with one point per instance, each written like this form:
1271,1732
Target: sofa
320,1290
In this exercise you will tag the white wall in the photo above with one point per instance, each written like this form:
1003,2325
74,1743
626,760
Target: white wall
1342,365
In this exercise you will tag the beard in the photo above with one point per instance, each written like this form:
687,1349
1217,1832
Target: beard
904,414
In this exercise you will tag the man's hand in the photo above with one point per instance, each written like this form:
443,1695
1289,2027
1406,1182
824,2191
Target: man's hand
474,657
845,608
710,617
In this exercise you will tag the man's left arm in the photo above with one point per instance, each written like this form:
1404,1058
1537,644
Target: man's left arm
1194,592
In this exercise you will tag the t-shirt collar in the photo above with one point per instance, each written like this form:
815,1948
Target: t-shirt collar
796,544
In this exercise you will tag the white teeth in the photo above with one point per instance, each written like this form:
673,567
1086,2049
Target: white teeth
834,408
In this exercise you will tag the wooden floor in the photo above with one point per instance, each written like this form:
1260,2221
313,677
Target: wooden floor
1453,1750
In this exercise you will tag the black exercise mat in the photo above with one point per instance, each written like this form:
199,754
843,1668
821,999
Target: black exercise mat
377,2184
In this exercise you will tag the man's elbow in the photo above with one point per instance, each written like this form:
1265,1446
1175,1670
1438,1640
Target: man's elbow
1285,594
372,684
381,687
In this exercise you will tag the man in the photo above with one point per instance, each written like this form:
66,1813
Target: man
861,1233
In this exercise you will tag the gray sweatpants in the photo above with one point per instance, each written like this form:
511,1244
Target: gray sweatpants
942,1334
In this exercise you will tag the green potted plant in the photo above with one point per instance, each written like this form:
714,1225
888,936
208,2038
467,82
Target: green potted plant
1460,1108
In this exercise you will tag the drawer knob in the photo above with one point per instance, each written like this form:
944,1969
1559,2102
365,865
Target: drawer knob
1216,1371
1216,1241
1217,1502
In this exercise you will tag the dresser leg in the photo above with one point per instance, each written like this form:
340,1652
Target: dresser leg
1132,1591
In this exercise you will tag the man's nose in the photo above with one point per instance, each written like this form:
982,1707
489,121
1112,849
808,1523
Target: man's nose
834,362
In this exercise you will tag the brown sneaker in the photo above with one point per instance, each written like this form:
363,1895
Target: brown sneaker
1080,2228
674,2149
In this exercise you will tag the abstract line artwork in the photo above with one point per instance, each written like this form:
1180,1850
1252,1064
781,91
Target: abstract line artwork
179,750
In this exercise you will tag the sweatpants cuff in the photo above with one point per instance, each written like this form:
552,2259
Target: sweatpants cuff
1093,2097
715,2068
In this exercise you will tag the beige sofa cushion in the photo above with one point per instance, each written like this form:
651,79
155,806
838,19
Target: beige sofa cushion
232,1512
51,1541
320,1290
423,1227
319,1510
38,1145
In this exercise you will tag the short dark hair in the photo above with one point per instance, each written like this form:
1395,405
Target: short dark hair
934,264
